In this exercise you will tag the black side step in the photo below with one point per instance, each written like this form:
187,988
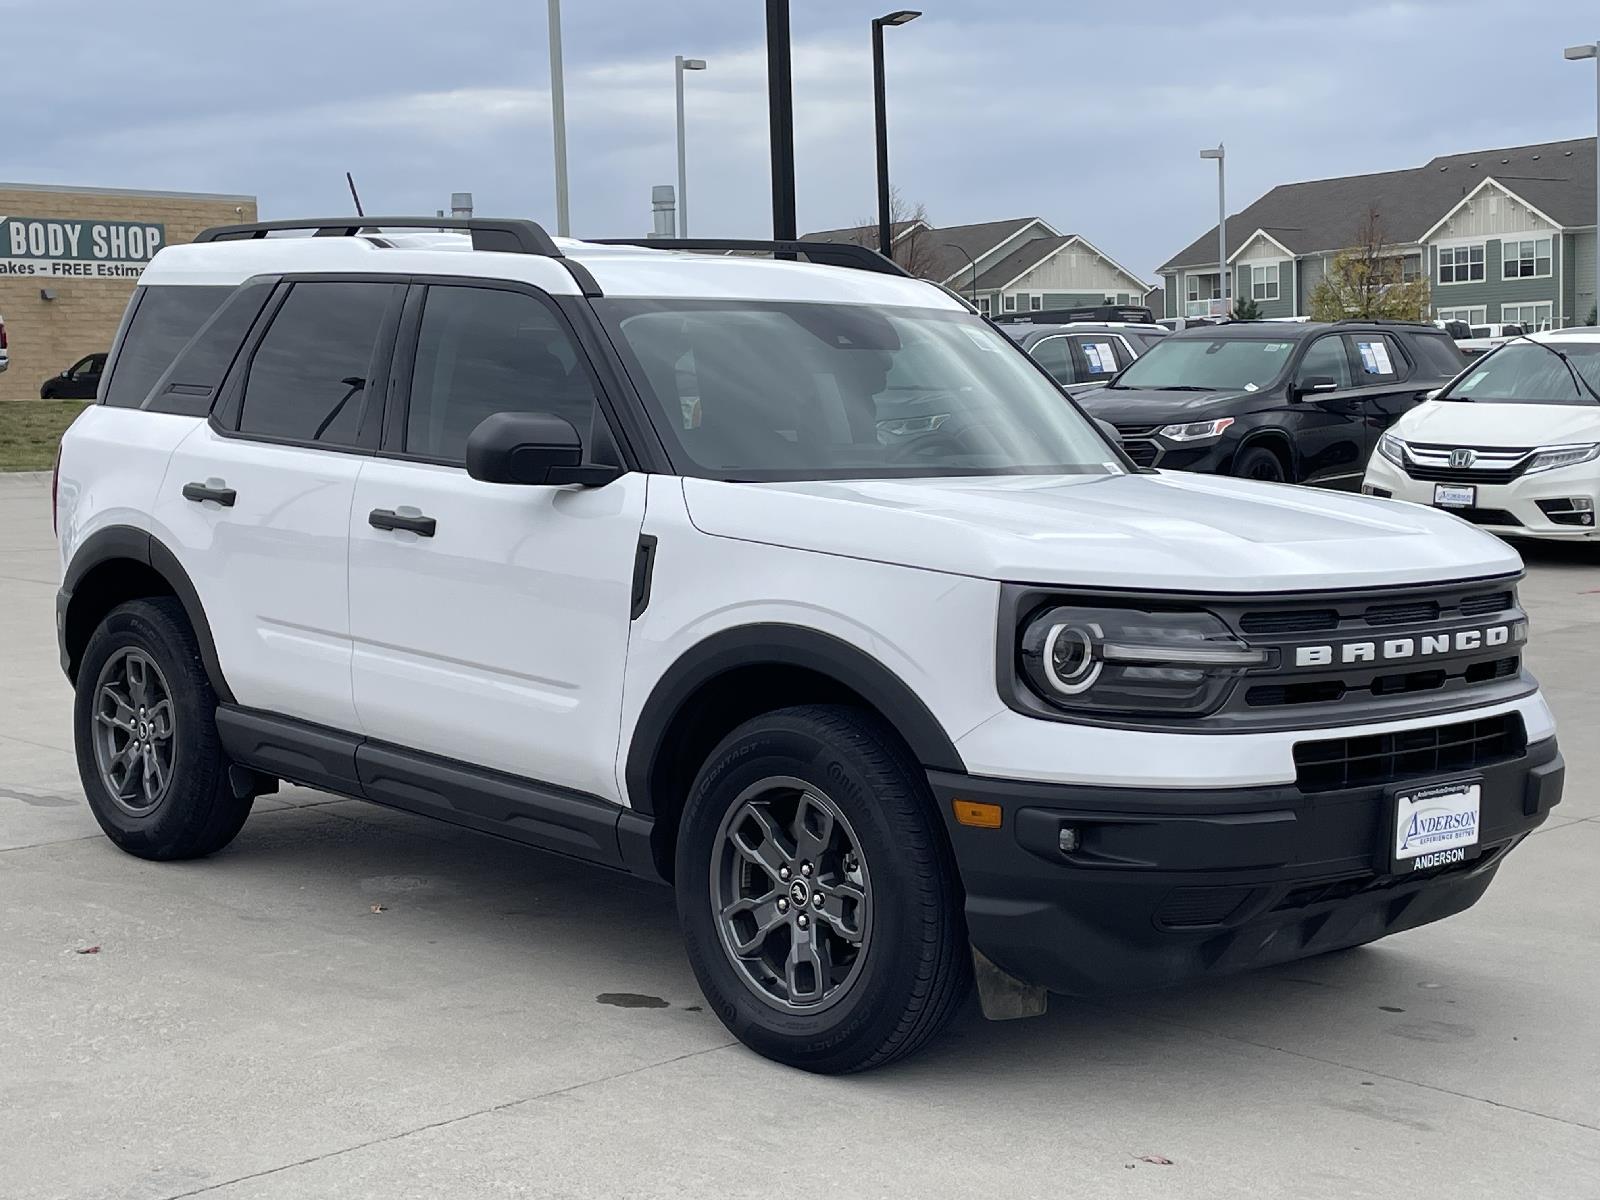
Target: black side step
562,821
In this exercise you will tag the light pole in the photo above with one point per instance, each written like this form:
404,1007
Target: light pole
558,119
1577,53
1222,224
885,231
683,64
974,262
780,115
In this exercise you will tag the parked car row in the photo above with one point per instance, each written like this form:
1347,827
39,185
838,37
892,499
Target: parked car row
1502,429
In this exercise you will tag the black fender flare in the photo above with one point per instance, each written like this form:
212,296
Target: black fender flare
141,546
782,646
1272,437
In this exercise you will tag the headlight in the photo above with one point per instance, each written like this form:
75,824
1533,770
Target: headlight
1111,660
1393,449
1562,456
1196,431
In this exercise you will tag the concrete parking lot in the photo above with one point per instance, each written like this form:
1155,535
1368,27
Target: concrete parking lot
351,1002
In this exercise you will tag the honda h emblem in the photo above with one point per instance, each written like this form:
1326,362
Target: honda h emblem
1460,459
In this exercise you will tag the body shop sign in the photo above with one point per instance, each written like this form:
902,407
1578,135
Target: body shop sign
65,249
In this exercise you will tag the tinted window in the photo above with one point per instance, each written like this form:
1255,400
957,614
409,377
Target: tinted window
165,319
1326,359
308,379
1054,354
1438,356
189,385
752,391
482,351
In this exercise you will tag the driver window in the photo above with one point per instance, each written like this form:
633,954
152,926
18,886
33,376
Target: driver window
482,351
1325,359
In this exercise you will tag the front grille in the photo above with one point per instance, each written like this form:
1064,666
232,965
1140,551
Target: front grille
1335,764
1304,620
1485,516
1487,602
1199,907
1329,691
1144,454
1400,614
1465,475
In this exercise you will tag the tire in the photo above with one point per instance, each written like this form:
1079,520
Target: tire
183,807
1257,462
908,968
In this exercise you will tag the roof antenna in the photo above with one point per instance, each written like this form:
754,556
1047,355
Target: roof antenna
350,179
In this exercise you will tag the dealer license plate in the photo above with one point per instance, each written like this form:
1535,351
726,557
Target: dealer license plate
1435,826
1455,495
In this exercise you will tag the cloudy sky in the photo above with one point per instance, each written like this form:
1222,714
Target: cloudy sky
1088,114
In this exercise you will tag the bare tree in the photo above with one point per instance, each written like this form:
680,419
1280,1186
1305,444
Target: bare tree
1368,280
917,251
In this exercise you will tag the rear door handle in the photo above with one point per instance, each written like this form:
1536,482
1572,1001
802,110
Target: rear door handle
387,518
201,492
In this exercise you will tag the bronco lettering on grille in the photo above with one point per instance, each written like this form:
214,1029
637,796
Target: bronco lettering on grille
1398,649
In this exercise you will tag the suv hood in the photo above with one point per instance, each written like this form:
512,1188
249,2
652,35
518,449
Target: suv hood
1457,423
1135,406
1159,530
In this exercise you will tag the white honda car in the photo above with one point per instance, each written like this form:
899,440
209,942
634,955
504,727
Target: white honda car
1512,444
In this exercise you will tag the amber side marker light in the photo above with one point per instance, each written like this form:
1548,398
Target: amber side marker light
976,814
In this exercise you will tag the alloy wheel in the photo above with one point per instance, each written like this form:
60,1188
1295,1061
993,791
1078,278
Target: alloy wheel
792,895
133,732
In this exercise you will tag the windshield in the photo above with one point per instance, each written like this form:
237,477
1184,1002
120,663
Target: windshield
1207,364
761,391
1526,373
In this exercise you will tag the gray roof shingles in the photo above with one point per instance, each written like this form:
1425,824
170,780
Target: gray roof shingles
1557,178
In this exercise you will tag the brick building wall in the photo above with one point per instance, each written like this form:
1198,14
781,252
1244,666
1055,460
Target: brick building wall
47,336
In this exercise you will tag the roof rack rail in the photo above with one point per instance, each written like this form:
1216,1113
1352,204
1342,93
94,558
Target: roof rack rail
1384,321
508,235
829,254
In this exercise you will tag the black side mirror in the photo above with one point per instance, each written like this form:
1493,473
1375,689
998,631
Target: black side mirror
1113,434
531,448
1316,383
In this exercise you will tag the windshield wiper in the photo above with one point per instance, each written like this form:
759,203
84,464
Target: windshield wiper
1578,380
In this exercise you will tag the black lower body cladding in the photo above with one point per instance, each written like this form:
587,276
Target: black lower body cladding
1163,886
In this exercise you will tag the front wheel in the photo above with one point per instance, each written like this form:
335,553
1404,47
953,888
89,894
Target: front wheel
1257,462
818,898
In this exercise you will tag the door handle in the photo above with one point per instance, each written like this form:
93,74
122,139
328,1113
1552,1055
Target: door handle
387,518
201,492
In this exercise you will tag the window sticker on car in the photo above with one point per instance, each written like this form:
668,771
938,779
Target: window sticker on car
1250,387
1102,360
1473,381
981,340
1375,358
1272,347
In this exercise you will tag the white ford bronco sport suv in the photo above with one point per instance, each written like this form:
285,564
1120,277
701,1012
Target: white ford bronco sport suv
796,585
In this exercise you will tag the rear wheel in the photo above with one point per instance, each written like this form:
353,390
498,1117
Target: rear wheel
145,729
818,899
1257,462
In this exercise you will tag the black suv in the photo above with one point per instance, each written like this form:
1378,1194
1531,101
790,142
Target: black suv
1276,400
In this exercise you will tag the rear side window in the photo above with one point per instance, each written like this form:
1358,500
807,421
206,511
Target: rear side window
190,384
308,377
1376,359
1054,354
1438,356
164,320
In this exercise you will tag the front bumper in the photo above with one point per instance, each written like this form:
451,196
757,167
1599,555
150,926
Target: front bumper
1168,884
1511,509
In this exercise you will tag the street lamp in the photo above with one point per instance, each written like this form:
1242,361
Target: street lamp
1222,224
1578,53
682,64
974,262
558,120
885,232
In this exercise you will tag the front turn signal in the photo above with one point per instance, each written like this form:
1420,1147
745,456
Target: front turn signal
977,814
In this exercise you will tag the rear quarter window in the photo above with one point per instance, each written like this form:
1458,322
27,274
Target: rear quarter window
164,319
1438,356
